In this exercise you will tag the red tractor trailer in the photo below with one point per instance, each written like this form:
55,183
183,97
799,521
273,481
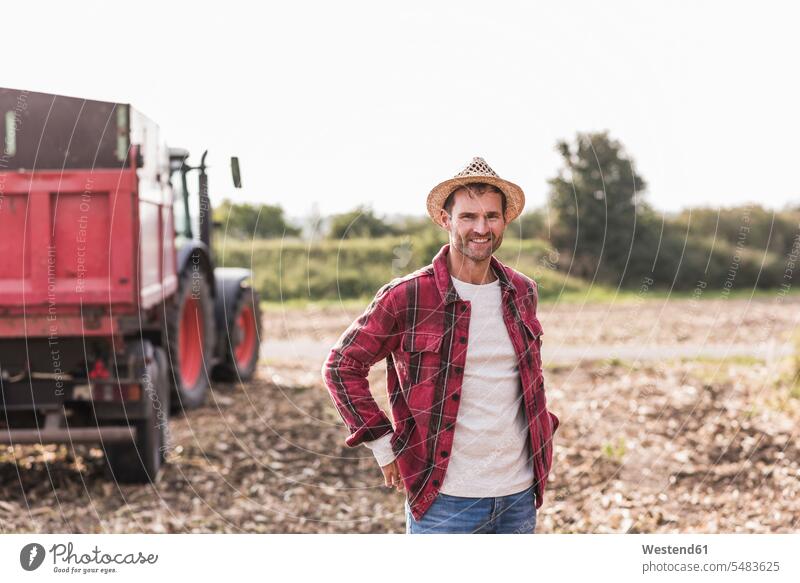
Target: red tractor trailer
112,313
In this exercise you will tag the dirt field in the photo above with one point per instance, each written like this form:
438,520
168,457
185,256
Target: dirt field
701,445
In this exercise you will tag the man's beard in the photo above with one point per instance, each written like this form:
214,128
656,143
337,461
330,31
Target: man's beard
480,253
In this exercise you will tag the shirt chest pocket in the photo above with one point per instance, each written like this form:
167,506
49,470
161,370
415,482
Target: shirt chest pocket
422,356
534,328
533,332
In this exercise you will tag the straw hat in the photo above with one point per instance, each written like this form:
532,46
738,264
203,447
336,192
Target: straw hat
476,171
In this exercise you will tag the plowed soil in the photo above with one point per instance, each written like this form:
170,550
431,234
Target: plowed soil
703,445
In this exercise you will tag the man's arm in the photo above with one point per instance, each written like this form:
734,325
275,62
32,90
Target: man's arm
368,340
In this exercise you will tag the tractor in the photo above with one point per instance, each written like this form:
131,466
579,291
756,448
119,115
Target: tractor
113,315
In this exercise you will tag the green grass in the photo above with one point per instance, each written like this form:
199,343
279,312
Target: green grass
300,303
615,451
603,294
348,273
589,295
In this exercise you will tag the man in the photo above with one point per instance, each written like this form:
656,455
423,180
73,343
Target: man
472,438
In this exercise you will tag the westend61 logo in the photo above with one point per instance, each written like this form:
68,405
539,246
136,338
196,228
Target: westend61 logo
65,560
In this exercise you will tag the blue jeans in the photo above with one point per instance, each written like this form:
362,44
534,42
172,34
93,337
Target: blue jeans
513,514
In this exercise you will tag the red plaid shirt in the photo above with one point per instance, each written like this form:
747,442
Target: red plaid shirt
420,325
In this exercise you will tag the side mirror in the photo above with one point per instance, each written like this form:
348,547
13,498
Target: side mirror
237,176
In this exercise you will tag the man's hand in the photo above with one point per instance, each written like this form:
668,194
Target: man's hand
391,476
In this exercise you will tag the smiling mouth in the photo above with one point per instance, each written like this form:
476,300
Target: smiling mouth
480,240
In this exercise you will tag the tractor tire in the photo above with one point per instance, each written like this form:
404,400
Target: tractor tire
242,339
139,462
165,409
190,339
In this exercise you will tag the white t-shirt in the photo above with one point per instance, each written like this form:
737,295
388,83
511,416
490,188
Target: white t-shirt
490,454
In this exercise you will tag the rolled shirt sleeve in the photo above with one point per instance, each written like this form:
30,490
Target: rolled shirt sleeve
366,341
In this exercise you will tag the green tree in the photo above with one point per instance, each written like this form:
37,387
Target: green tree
358,223
749,225
531,224
247,221
597,199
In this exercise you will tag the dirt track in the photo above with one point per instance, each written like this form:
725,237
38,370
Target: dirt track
665,446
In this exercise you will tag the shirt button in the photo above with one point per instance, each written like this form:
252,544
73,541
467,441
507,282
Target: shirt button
449,427
436,483
455,397
459,370
463,308
444,454
463,340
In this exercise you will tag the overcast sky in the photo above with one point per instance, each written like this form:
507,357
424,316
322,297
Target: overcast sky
348,103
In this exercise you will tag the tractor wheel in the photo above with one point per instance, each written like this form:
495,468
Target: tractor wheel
163,364
190,341
139,462
242,340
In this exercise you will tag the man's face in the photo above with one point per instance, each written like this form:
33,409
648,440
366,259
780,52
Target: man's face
476,223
